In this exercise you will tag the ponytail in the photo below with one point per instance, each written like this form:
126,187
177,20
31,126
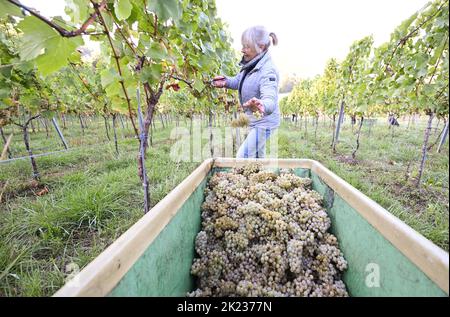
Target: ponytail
274,38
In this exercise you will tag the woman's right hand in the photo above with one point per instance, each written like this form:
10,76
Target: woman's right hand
219,81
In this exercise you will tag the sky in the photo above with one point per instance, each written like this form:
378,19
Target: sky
310,32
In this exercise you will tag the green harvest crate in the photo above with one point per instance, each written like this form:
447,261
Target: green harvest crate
154,257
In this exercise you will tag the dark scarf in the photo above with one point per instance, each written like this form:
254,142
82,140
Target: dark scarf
247,67
251,64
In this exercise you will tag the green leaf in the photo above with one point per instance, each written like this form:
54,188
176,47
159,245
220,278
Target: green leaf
130,86
122,8
75,57
438,52
401,79
421,60
108,21
119,46
35,37
108,76
38,38
77,10
119,105
165,9
204,62
114,89
135,14
423,71
25,67
6,70
405,24
57,52
429,89
442,21
157,51
7,8
151,74
48,114
199,85
4,93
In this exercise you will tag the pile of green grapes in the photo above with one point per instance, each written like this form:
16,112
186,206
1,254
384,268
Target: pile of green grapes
265,234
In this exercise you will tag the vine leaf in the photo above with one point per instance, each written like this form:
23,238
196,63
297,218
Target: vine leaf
198,85
77,10
57,52
165,9
8,8
45,46
122,8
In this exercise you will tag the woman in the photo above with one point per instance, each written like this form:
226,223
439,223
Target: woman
257,84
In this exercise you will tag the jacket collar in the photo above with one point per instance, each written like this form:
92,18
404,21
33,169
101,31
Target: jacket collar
256,62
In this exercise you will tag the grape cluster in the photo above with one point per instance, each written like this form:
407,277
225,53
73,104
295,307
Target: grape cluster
241,122
265,234
258,115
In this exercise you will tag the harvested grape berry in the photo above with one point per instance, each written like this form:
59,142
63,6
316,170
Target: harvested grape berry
265,234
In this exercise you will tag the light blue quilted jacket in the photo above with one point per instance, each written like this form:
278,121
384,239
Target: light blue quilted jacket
261,82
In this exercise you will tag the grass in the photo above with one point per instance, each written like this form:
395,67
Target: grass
89,196
381,172
94,196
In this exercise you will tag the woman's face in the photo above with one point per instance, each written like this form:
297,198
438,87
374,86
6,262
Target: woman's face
248,51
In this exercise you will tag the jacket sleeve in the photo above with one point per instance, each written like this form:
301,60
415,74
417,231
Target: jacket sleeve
233,82
269,91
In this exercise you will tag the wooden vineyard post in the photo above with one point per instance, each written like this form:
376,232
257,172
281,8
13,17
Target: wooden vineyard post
6,148
5,141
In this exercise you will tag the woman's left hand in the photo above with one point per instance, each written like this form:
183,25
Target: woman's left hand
255,105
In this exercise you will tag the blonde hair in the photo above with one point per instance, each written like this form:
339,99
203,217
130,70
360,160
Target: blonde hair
258,36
